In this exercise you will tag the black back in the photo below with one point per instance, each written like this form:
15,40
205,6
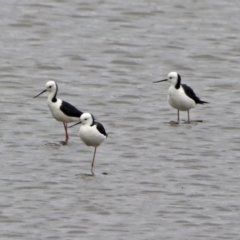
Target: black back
70,110
191,94
101,129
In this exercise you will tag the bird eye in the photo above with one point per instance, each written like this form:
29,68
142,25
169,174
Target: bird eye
50,86
85,119
170,77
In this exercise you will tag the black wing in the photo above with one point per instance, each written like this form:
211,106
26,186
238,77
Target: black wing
101,129
191,94
70,110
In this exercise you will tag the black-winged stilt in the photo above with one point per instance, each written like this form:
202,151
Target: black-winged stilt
92,133
62,111
180,96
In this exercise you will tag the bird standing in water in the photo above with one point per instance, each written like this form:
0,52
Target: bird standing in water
62,111
180,96
92,133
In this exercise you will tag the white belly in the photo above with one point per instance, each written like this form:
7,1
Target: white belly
58,114
179,100
90,136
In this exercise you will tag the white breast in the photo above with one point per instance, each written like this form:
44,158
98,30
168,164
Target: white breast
57,113
91,136
179,100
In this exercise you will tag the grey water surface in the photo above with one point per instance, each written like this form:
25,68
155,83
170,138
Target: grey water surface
164,180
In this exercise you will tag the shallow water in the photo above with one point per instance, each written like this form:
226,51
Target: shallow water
164,180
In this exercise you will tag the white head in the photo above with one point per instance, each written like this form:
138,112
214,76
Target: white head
173,77
51,86
87,119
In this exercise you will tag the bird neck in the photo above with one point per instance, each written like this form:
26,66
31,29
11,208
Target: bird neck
93,121
178,84
53,95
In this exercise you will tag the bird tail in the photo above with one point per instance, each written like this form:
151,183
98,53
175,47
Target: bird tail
201,102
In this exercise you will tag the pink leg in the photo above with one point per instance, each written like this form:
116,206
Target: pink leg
188,116
65,127
178,115
93,160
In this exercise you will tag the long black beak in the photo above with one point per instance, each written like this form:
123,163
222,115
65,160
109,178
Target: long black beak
75,124
40,93
164,80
